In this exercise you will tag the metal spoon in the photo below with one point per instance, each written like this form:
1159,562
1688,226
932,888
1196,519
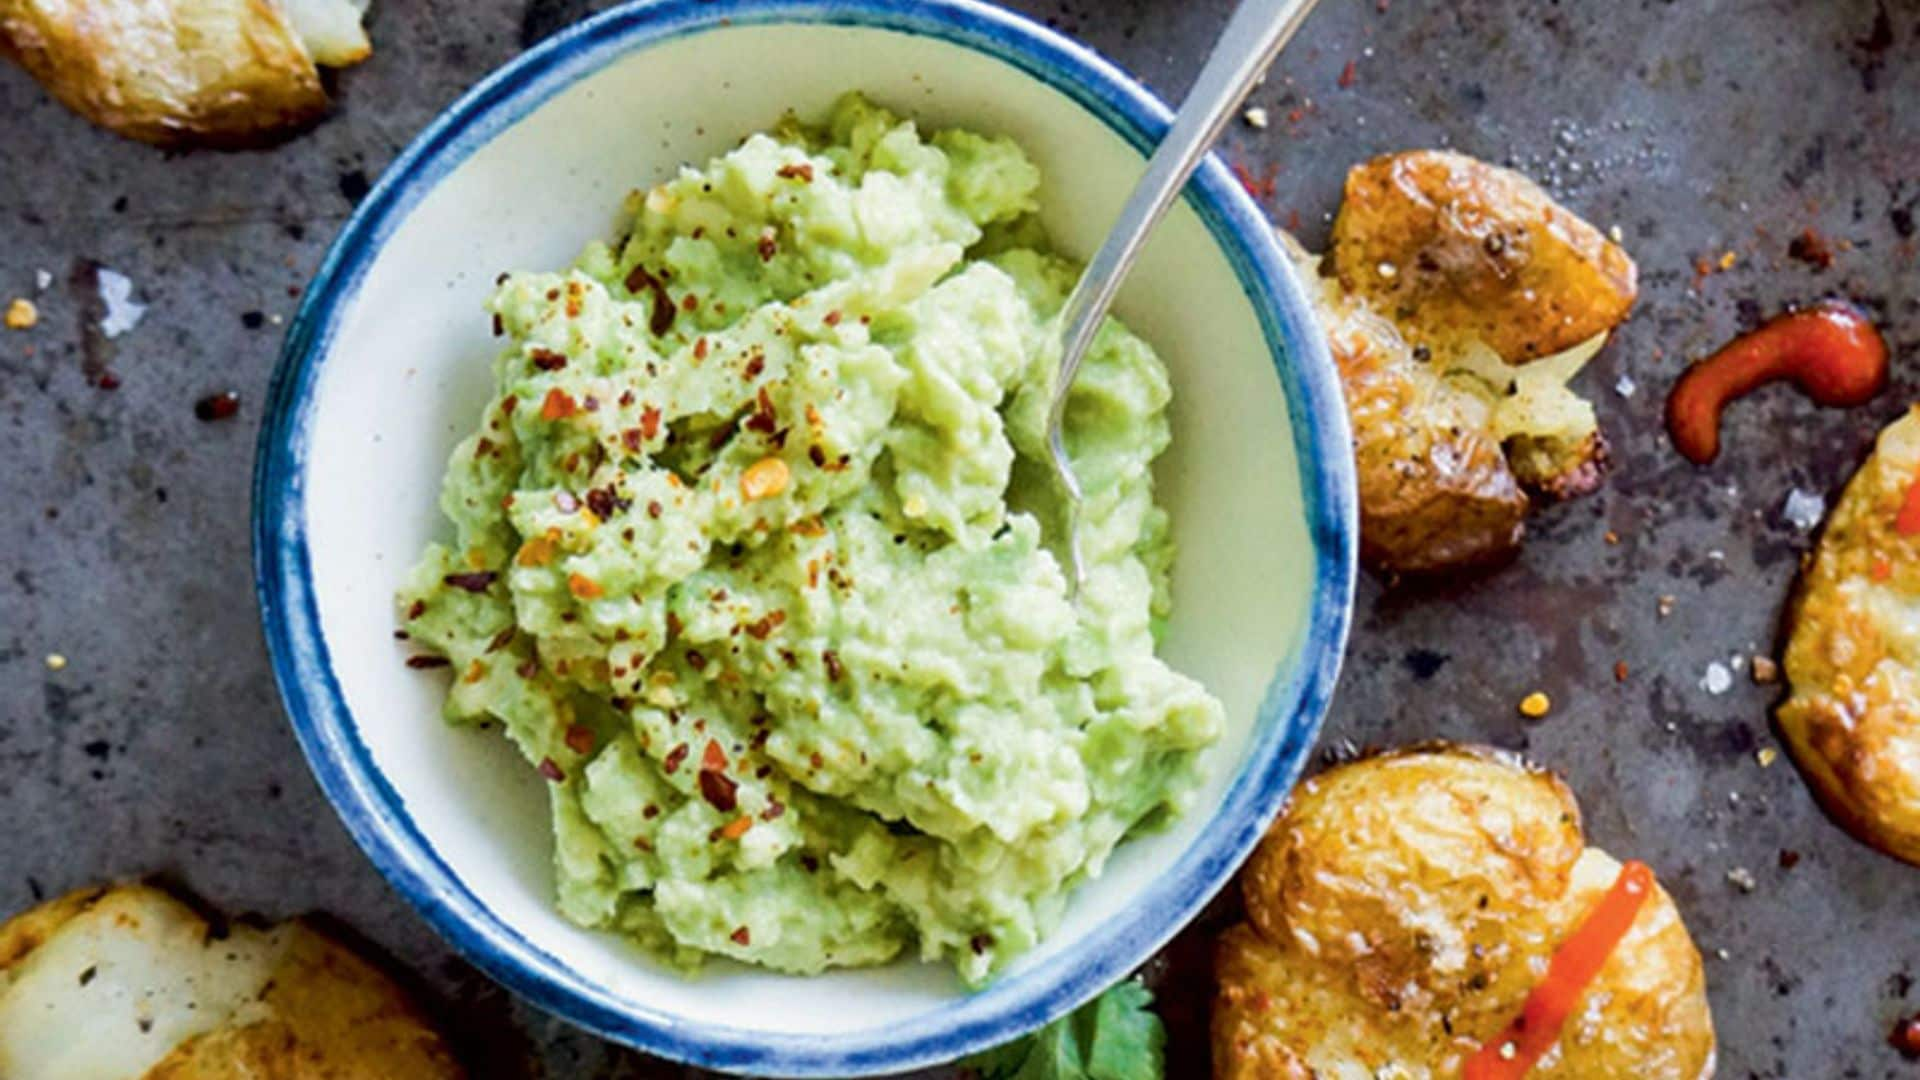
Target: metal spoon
1252,37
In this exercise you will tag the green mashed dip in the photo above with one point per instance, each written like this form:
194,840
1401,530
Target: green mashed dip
755,561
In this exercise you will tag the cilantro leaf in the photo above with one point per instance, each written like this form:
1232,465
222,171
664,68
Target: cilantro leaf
1115,1037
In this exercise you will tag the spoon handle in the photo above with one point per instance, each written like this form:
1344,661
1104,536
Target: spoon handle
1252,37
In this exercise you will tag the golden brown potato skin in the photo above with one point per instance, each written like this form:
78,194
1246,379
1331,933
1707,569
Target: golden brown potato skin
1852,716
1438,259
1455,248
169,72
1404,906
1435,489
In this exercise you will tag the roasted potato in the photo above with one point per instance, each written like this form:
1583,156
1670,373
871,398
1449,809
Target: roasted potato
1404,907
1455,349
1852,714
186,72
1455,250
129,982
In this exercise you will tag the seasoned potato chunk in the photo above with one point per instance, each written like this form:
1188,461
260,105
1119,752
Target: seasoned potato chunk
186,72
1852,717
1455,359
1455,249
129,982
1405,906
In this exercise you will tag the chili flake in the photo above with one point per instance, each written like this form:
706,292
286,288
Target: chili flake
802,172
535,552
558,405
548,360
832,660
713,759
584,587
735,829
580,739
477,582
764,479
1907,523
221,406
551,771
424,662
719,790
671,763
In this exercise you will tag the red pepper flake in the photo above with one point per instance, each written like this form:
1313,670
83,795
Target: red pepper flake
551,771
765,625
632,439
477,582
1261,187
654,509
590,403
1348,74
695,660
424,662
713,759
661,320
671,764
832,660
741,937
650,812
1789,858
502,639
767,246
689,302
558,405
735,829
416,609
980,943
107,381
499,326
774,809
1908,522
764,418
802,172
700,349
1619,671
756,364
584,587
1811,248
221,406
548,360
508,404
1882,569
831,318
719,790
580,739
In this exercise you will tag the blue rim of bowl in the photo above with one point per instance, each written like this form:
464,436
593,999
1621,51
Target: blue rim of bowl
1288,720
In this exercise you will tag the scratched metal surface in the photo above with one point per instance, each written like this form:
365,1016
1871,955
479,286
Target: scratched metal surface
1698,126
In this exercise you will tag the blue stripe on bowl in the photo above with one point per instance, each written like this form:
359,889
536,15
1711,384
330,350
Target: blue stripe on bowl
1289,717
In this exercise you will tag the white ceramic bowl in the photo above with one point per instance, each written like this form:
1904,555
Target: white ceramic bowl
387,364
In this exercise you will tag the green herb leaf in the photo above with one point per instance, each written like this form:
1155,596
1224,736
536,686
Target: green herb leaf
1116,1037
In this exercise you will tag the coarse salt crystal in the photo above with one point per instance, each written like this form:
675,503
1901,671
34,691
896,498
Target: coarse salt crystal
1803,509
1625,386
1717,680
123,312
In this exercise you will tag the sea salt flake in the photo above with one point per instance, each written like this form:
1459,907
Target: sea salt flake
42,280
1804,509
1717,680
1625,386
123,311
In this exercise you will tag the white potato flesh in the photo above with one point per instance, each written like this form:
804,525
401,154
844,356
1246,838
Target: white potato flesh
330,29
118,986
